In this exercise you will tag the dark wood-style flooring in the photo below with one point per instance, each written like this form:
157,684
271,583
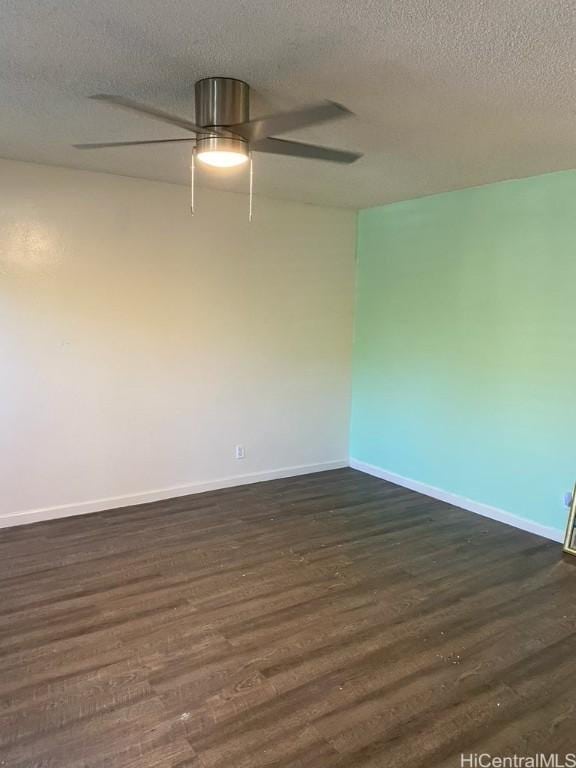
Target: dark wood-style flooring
326,620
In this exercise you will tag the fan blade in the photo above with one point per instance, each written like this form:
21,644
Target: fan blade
310,151
262,127
158,114
104,145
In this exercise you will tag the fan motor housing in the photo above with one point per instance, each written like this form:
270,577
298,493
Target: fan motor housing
222,102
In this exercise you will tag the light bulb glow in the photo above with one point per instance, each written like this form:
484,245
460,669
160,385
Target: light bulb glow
222,159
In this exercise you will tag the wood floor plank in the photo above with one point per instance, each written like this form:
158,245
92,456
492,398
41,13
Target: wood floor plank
331,619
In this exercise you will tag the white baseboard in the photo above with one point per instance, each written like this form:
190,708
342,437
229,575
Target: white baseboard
128,500
555,534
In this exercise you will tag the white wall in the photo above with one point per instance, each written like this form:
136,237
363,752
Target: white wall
139,345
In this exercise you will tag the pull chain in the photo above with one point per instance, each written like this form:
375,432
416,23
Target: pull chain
251,188
192,169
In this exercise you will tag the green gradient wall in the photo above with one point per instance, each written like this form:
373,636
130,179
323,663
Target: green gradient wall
465,343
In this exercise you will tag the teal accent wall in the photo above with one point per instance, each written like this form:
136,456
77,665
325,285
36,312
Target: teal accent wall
465,343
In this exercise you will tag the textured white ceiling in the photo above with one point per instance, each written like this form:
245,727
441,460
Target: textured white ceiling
447,93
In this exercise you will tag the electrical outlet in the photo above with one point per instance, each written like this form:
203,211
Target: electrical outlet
240,452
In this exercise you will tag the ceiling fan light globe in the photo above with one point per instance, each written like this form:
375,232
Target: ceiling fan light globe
221,159
222,152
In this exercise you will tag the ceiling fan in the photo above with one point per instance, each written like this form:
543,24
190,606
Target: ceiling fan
225,136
